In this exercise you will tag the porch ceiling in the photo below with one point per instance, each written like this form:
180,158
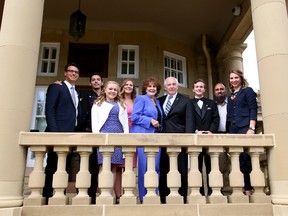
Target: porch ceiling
184,20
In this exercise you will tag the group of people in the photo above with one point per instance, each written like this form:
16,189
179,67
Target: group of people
114,108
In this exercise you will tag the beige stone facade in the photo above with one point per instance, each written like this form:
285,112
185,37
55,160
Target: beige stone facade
209,52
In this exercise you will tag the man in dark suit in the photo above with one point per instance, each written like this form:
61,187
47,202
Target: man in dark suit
88,99
62,115
207,122
179,118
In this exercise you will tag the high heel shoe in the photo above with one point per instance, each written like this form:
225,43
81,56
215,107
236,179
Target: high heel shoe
117,201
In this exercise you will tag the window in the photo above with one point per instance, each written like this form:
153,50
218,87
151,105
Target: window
128,61
48,59
175,65
38,117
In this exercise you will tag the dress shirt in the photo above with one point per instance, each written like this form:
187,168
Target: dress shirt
222,109
172,100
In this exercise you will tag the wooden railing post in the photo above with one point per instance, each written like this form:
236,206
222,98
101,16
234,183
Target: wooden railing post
36,178
106,178
174,177
194,177
83,177
257,177
128,177
60,178
151,177
236,177
215,176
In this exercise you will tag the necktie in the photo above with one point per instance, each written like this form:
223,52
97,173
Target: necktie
73,95
168,105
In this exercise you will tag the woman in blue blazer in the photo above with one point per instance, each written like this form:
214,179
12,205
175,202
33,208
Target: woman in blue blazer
147,117
242,118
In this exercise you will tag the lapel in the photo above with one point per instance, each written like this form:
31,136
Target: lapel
67,90
196,107
204,108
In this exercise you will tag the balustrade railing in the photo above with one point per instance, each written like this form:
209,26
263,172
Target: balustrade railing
62,143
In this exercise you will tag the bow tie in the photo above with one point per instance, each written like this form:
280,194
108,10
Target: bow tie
197,99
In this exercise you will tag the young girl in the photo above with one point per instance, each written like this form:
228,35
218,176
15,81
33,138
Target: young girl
109,115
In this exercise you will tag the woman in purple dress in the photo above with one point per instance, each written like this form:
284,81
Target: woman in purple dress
109,115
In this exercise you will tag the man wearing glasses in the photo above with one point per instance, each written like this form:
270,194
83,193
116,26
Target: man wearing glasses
62,115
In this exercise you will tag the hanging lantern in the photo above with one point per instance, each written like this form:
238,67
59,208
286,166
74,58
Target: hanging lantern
77,24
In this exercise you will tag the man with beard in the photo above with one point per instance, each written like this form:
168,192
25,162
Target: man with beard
220,97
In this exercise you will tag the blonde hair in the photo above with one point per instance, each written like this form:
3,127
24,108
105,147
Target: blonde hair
102,96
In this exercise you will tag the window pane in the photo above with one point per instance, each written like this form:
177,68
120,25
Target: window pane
179,65
132,55
45,53
54,53
41,96
124,55
173,63
167,61
40,109
52,67
131,68
44,67
167,73
173,73
124,68
180,78
40,124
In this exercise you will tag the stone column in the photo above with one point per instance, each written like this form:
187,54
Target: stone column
271,32
230,57
19,47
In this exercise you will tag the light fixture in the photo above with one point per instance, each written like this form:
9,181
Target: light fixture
77,24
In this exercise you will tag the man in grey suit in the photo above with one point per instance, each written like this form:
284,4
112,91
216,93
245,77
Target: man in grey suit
179,118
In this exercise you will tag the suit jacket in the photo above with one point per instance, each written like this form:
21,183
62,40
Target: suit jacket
180,118
87,101
243,108
60,110
99,115
143,112
207,118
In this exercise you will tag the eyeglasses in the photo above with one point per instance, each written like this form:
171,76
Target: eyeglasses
73,71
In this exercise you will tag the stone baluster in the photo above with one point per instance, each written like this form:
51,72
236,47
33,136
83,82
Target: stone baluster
194,177
36,178
174,177
151,177
128,178
236,177
106,178
215,176
83,177
60,178
257,177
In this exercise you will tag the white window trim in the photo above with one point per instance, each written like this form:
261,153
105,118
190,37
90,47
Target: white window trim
119,70
178,57
49,45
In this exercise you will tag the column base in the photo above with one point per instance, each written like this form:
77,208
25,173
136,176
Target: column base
217,199
196,199
128,200
238,199
81,200
174,199
58,201
34,201
151,200
104,200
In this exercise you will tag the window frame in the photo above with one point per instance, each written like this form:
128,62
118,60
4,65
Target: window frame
120,61
176,70
49,60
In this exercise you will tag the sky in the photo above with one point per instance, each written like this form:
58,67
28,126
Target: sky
250,63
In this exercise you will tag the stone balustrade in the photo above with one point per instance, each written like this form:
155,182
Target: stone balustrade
215,144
